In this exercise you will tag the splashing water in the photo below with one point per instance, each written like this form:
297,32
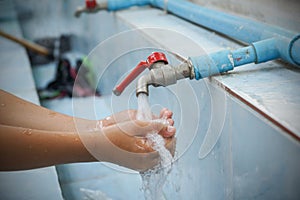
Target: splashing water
154,179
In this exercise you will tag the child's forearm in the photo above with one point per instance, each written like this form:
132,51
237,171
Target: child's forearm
23,148
20,113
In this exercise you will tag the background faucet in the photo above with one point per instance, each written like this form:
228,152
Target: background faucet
91,6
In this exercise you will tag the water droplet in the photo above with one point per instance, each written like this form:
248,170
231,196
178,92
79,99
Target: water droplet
99,125
2,104
27,131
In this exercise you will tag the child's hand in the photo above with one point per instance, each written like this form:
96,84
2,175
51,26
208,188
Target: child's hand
129,146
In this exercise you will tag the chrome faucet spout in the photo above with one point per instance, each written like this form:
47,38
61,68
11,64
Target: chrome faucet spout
142,84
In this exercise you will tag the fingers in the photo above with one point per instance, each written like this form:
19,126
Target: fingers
168,131
165,113
127,122
128,115
123,116
164,127
142,128
171,122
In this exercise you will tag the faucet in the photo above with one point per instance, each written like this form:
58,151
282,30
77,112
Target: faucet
91,6
160,74
199,67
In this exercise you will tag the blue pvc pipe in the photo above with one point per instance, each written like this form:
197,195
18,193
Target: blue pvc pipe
245,30
225,60
212,64
233,26
114,5
243,56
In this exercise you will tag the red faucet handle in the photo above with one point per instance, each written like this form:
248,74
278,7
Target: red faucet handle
90,4
157,57
131,76
153,58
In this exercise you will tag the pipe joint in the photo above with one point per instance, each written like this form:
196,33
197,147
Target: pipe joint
266,50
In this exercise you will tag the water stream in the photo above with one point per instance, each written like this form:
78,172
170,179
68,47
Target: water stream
155,178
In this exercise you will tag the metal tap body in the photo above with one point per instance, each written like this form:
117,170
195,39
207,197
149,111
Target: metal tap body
163,74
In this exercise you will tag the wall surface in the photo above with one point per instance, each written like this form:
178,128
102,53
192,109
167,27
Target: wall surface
283,13
252,158
248,157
